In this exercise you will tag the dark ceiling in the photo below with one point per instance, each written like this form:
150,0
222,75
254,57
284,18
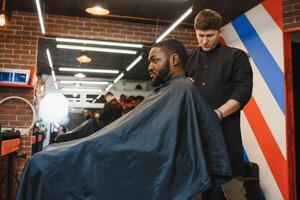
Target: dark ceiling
139,11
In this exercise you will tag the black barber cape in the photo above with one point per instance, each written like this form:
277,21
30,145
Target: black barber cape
87,128
165,149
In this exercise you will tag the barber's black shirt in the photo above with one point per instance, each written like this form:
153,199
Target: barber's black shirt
221,74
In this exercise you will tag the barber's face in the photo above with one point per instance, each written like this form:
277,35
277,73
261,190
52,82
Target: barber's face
208,39
159,67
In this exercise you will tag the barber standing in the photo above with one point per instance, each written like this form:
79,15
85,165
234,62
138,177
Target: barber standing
223,76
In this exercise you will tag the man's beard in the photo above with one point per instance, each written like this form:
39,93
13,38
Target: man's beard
162,76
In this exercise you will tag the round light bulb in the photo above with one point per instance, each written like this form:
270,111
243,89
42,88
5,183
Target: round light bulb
79,75
97,10
84,58
2,20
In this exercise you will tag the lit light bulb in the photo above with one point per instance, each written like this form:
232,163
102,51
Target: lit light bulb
2,20
97,10
83,58
79,75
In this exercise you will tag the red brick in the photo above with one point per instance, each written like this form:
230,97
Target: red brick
30,19
5,60
13,66
16,17
84,28
16,61
14,56
23,23
289,20
28,57
13,46
6,32
25,52
22,33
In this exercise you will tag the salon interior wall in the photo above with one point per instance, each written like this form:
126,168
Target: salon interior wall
259,32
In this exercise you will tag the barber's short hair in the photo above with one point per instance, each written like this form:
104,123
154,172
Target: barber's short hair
172,46
208,19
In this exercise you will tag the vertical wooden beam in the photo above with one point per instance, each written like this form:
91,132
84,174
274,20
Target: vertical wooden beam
290,128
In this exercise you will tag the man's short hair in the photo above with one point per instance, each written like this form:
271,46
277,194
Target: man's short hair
172,46
109,94
208,19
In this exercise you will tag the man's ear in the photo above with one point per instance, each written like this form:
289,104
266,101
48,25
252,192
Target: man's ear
221,31
174,59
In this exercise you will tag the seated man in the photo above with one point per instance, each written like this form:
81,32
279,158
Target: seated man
167,148
88,127
112,109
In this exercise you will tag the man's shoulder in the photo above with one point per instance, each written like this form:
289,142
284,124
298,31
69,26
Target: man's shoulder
194,52
233,50
183,84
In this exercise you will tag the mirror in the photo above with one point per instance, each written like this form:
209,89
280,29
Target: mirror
59,72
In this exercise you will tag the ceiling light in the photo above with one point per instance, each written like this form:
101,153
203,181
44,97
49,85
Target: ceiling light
86,82
74,99
178,21
2,19
75,94
2,14
103,71
119,77
97,42
80,90
53,76
79,75
134,63
85,48
56,86
83,58
108,88
49,58
97,10
38,7
96,7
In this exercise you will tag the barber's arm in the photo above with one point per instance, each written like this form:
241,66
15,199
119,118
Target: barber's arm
230,107
242,87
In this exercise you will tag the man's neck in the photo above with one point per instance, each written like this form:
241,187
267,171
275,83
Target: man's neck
178,71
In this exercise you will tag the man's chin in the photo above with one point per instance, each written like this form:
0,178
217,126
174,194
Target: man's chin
206,48
157,81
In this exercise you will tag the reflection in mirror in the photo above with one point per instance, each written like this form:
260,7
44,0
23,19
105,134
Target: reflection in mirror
110,66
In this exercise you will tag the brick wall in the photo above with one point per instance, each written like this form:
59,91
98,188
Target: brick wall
18,49
291,14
